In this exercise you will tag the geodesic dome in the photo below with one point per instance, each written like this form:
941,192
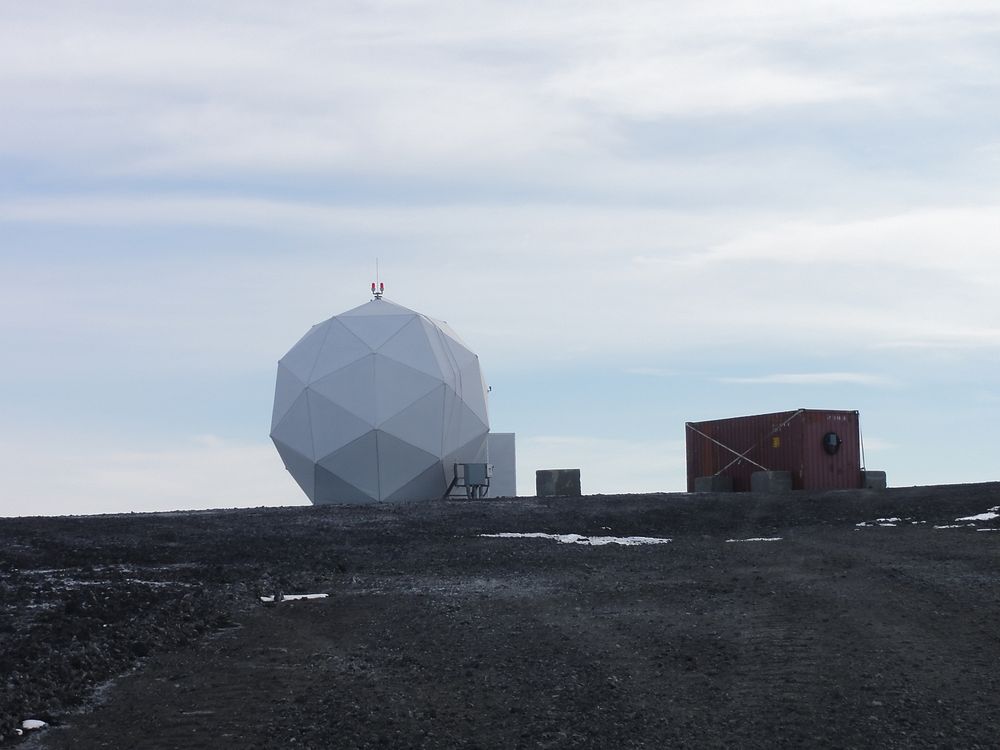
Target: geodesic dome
377,404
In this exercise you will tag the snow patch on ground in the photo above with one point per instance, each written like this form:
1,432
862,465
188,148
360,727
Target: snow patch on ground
293,597
989,515
757,539
592,541
32,724
884,522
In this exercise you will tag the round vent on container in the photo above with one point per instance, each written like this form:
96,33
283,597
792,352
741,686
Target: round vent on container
831,442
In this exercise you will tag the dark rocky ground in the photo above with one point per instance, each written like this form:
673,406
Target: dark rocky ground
836,636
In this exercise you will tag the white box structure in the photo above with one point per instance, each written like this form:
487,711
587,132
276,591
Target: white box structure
501,454
377,404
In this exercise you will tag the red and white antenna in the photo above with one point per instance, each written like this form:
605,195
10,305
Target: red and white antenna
378,288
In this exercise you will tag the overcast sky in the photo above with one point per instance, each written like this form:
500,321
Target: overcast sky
637,214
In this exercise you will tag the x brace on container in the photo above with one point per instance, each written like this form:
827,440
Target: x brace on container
742,456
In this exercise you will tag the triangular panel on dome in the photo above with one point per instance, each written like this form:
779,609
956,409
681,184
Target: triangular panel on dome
301,357
331,489
357,464
431,484
411,346
397,386
420,423
341,348
299,466
287,388
351,387
377,307
375,330
333,427
294,429
473,390
436,342
470,452
452,420
470,425
448,331
399,463
460,353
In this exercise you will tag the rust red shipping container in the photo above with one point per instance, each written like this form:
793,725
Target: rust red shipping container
820,448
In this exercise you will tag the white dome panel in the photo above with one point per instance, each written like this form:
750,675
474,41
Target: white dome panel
352,388
295,428
357,464
411,424
302,357
422,486
375,330
474,388
300,467
397,386
332,426
411,347
330,489
376,308
340,348
287,388
399,462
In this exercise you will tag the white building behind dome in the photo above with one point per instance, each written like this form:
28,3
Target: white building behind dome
377,404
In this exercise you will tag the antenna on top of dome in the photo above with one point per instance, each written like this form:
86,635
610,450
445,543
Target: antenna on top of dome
378,288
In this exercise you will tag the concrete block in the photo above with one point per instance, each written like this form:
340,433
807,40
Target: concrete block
771,481
873,480
553,482
718,483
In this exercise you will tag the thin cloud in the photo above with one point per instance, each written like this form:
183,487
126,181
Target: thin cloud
713,82
954,240
813,378
950,341
419,86
655,372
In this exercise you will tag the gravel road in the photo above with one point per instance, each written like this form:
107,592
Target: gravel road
844,619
